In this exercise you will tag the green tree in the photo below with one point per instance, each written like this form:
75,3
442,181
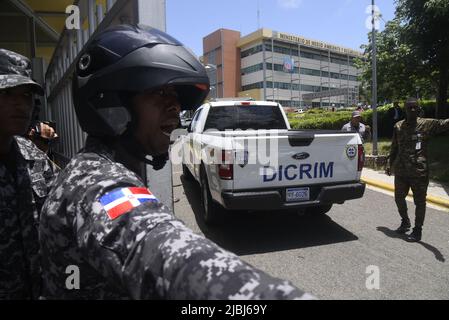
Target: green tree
413,54
426,25
396,66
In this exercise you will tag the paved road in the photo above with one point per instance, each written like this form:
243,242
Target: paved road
329,256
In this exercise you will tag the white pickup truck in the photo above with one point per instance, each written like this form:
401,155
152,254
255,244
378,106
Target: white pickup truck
246,157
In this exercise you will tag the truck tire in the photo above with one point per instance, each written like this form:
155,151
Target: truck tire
319,210
186,173
212,211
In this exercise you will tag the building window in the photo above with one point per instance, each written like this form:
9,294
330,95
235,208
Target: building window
211,57
285,86
252,69
251,51
293,51
257,85
304,71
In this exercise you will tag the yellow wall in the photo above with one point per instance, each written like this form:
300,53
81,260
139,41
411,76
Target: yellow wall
57,23
256,36
45,52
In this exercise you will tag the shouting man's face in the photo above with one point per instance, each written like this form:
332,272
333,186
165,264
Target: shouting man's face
158,115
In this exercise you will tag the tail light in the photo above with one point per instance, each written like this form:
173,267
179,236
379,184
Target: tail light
361,157
226,169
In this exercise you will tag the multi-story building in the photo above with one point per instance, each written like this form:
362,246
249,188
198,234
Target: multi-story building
290,69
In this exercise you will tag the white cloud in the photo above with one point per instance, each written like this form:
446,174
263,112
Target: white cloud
289,4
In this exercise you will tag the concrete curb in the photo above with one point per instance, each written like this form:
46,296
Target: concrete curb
433,199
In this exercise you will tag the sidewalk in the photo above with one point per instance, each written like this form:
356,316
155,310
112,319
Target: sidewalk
437,193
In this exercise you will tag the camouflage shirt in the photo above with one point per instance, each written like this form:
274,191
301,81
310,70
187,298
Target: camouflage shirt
145,253
408,155
23,189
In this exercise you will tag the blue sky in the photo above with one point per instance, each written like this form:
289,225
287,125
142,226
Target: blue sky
341,22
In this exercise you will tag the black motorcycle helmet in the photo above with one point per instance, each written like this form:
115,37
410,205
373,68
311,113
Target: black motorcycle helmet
126,60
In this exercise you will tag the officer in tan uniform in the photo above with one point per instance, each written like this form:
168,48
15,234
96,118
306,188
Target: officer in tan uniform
408,158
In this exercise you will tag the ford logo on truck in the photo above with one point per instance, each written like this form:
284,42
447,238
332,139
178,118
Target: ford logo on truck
301,156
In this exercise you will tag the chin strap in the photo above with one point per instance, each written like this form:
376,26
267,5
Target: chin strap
132,146
136,150
157,162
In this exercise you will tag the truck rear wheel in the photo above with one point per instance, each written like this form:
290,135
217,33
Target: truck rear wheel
212,211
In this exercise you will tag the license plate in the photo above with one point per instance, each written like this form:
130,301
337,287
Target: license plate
298,194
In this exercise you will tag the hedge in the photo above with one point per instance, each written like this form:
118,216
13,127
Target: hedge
328,120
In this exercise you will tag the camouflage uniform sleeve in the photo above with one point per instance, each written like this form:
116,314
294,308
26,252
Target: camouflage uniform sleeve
152,254
51,171
42,170
435,127
394,147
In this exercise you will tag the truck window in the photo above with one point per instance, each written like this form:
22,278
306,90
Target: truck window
244,118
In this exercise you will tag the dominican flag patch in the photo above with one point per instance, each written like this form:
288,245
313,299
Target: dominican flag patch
122,200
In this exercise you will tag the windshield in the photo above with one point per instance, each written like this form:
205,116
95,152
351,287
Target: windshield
245,117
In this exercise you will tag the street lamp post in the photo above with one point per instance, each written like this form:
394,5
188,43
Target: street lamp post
374,80
209,69
214,89
276,94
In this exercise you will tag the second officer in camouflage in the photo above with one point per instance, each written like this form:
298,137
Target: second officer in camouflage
129,87
409,160
25,176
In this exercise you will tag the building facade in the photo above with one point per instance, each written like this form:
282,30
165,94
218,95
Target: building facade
290,69
222,60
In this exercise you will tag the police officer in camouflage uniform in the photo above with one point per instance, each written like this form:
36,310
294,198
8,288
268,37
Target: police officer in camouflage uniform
100,218
25,177
408,158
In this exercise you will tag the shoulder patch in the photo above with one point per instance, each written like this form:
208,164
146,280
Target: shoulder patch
123,200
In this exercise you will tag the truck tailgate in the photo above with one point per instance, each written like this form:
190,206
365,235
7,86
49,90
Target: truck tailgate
300,159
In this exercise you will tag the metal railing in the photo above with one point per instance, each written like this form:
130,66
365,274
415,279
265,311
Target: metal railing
95,16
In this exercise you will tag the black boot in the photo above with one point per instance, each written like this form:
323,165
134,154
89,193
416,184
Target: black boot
404,227
415,236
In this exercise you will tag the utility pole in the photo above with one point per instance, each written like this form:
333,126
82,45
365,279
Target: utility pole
258,15
374,80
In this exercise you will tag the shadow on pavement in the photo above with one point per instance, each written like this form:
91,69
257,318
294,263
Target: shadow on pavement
393,234
261,232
